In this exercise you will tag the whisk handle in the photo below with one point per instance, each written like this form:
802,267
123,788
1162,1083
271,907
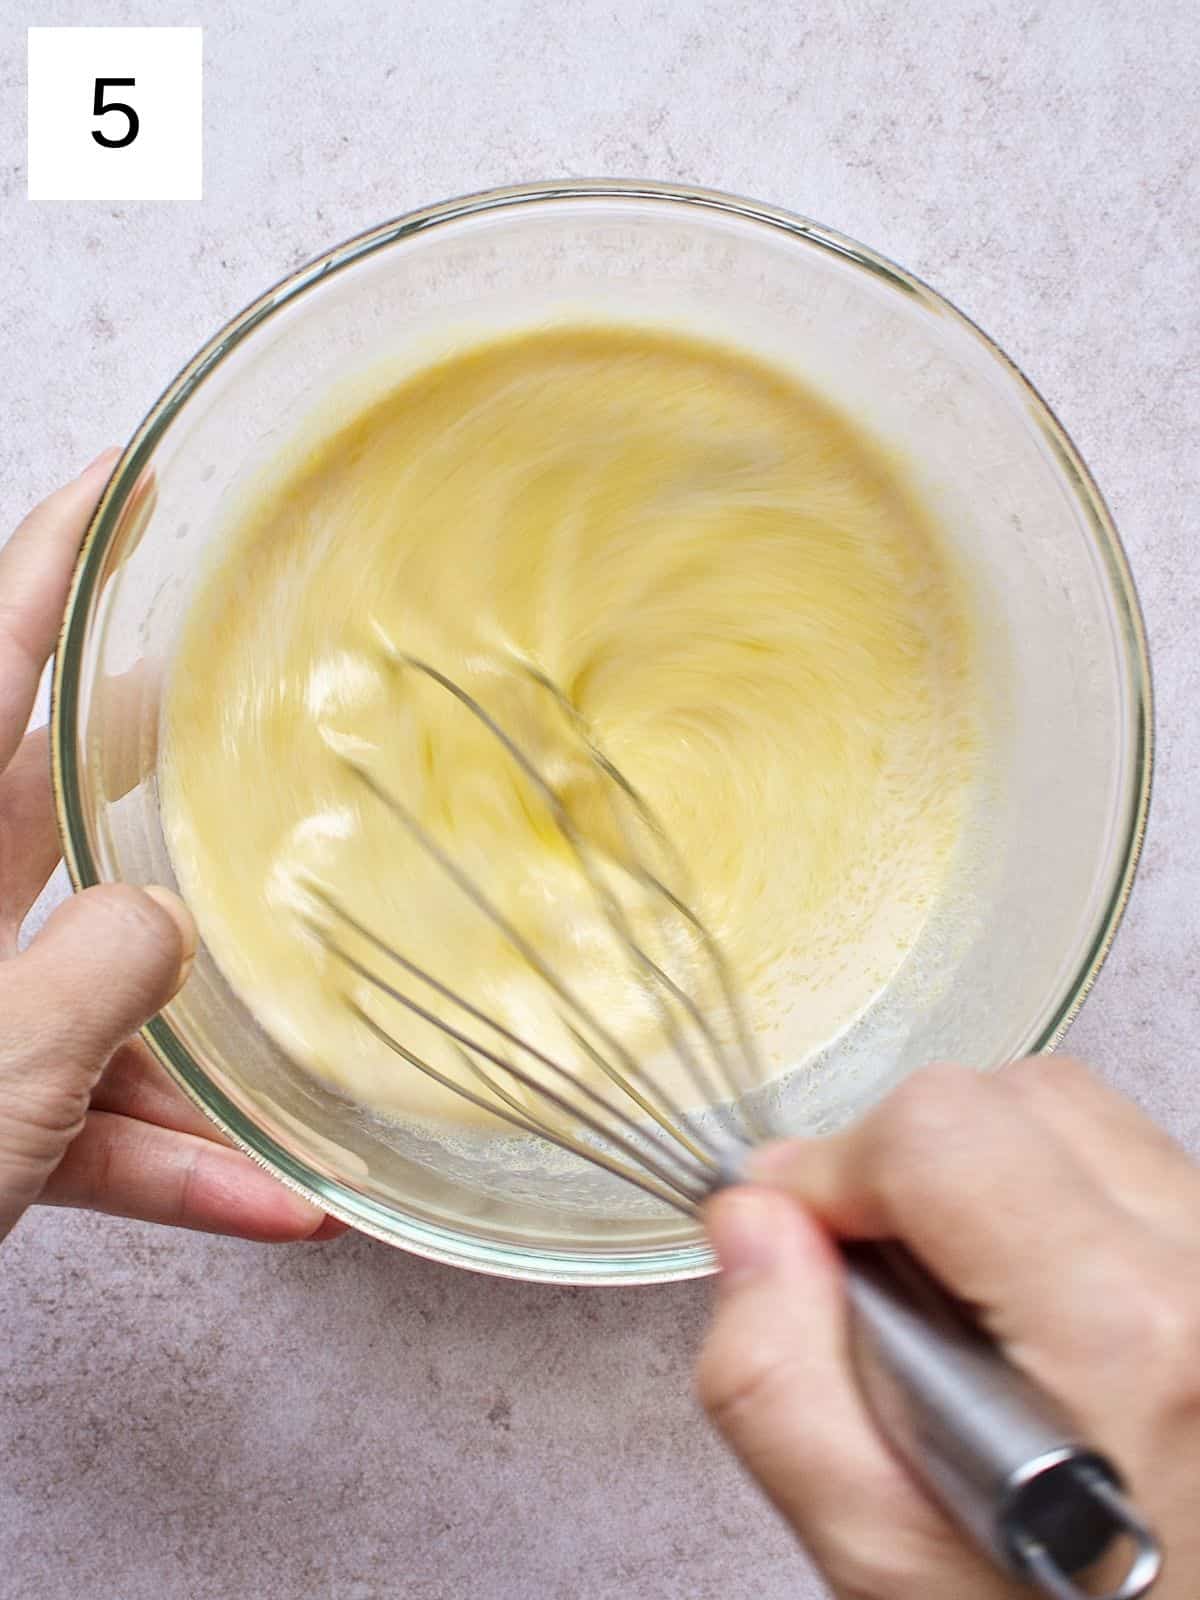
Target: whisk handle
1001,1456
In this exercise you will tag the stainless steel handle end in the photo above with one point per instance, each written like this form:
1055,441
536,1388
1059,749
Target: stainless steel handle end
1050,1554
1000,1455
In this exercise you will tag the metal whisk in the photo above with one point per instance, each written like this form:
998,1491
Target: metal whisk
1000,1456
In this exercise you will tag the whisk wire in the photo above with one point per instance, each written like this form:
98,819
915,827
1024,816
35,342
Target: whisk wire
644,964
665,1152
704,1165
630,1072
511,1112
682,1198
740,1082
697,1179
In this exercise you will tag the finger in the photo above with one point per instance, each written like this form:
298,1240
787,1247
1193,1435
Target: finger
126,706
29,847
953,1166
35,574
134,1085
776,1379
1082,1296
154,1174
104,963
1151,1176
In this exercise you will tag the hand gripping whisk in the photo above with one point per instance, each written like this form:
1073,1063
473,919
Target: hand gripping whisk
1002,1457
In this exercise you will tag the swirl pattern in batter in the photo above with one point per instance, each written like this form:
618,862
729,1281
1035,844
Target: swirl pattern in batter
731,584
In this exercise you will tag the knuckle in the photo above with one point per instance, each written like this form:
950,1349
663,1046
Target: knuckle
868,1573
1143,1329
127,909
123,920
737,1379
902,1555
1164,1313
107,958
183,1197
926,1107
863,1568
35,1124
1062,1065
921,1136
1040,1080
1035,1091
1029,1073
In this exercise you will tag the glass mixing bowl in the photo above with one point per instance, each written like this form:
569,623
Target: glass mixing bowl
1013,946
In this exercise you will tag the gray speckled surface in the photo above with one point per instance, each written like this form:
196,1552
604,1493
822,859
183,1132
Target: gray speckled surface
187,1417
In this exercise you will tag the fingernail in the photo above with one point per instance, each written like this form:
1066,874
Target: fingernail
331,1228
743,1227
107,456
182,918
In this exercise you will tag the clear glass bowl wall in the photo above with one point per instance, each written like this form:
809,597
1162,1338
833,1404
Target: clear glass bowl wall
1050,851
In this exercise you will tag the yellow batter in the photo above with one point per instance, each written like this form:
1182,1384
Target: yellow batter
731,586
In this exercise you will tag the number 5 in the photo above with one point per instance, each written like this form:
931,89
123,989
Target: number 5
99,109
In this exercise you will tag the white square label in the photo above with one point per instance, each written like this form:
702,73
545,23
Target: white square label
115,113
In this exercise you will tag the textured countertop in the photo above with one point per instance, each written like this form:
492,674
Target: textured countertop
200,1420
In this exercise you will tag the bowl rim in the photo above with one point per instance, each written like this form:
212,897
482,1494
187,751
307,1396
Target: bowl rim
422,1237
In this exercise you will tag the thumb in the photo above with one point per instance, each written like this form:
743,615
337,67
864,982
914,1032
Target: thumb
105,962
775,1377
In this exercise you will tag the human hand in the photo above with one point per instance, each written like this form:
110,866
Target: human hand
1066,1218
86,1117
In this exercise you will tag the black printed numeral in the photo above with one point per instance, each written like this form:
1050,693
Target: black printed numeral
103,108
